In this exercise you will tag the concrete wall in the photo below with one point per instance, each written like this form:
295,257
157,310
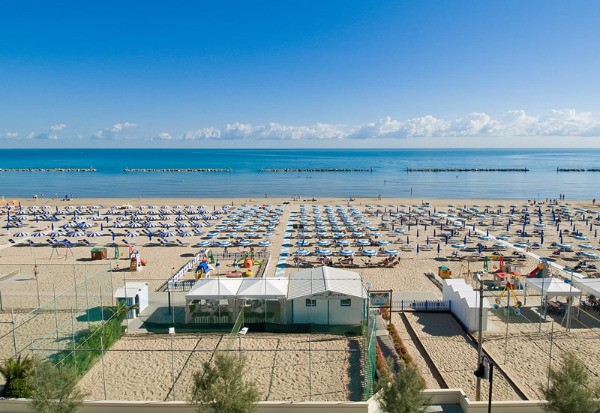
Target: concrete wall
22,406
438,397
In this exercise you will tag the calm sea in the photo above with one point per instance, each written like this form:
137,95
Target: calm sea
388,178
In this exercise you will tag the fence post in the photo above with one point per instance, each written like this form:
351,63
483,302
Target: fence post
102,358
12,316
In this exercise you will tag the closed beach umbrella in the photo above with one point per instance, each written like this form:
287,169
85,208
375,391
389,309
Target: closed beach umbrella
417,233
542,237
417,249
439,248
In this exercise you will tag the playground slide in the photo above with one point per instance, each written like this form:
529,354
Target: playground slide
534,273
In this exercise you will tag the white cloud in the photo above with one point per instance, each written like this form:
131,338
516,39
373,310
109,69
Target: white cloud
115,132
58,127
10,135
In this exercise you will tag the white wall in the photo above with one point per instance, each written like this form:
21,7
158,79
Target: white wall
301,314
328,311
464,303
339,315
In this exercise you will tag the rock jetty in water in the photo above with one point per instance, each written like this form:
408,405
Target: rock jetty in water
467,170
177,170
316,170
47,169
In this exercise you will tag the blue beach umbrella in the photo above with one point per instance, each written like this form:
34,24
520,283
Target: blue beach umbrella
542,237
446,239
417,248
417,233
561,239
439,248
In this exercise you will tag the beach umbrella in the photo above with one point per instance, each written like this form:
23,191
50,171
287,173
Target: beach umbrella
479,248
446,239
434,232
21,234
487,232
407,240
595,233
113,235
38,234
76,234
302,252
542,237
439,248
417,249
561,238
346,253
427,241
323,252
369,252
465,240
94,234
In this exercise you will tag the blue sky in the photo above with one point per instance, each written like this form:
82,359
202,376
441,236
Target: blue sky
299,74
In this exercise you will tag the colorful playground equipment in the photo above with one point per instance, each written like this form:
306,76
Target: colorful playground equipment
203,269
509,291
247,261
135,261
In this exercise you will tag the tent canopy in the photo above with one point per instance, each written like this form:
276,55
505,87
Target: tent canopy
552,287
263,288
589,285
214,288
325,280
245,288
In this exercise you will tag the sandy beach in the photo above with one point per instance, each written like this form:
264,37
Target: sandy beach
415,229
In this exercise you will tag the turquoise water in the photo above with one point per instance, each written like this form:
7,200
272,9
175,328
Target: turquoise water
388,179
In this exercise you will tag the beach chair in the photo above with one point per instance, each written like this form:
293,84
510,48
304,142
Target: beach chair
128,243
32,243
181,243
166,243
87,243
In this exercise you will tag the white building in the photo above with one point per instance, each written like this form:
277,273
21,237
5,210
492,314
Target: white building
135,295
323,295
327,296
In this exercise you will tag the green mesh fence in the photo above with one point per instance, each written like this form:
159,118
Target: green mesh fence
369,357
239,322
62,315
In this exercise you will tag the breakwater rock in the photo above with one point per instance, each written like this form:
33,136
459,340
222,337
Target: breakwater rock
177,170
